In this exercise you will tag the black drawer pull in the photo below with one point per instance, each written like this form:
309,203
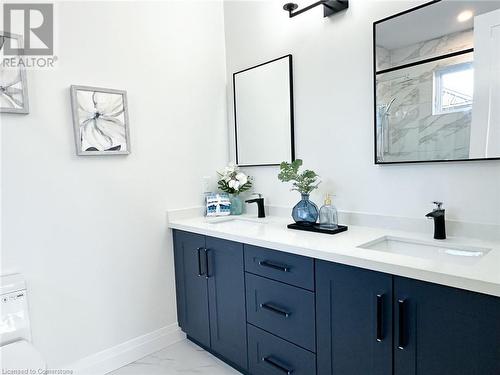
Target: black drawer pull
401,325
277,365
200,273
207,273
276,266
380,305
275,309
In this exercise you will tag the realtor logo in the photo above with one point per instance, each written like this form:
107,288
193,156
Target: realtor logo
35,23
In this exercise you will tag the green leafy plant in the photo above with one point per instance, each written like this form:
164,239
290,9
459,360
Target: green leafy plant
303,182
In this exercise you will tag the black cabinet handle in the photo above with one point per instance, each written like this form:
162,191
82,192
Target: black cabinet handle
401,325
275,309
380,312
277,365
198,250
276,266
207,273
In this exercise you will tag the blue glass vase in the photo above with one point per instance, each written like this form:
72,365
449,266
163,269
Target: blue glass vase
305,212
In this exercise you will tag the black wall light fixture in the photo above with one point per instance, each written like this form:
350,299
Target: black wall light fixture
330,7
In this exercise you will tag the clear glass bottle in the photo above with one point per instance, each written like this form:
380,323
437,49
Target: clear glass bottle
328,217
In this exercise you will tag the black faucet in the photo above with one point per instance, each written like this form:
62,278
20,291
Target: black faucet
439,223
260,205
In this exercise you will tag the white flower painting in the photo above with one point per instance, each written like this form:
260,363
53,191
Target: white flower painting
13,86
100,120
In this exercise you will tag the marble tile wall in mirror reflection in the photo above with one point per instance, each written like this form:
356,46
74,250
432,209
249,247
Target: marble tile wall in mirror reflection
410,126
446,44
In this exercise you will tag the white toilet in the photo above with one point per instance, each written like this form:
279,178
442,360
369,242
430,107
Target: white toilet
16,351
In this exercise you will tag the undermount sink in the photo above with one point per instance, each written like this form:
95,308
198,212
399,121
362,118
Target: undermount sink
427,249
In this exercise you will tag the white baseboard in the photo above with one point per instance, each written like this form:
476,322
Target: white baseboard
130,351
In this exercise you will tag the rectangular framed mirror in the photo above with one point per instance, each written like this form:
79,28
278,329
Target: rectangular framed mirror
437,83
263,113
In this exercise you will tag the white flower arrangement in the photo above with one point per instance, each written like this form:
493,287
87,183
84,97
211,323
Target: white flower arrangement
233,181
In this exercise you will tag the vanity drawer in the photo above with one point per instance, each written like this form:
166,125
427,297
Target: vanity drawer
281,309
288,268
270,355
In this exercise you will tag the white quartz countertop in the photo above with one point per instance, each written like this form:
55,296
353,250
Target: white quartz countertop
478,274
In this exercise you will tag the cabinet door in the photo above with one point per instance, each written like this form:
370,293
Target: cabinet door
441,330
354,320
191,286
226,289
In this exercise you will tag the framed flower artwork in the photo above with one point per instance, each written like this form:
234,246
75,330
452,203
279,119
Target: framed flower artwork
100,120
13,85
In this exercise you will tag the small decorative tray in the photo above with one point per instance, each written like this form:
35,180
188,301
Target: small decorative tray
316,228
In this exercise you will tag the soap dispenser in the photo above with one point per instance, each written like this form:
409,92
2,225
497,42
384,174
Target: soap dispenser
328,217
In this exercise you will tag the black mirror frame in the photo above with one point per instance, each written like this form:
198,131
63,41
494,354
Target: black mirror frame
292,132
433,2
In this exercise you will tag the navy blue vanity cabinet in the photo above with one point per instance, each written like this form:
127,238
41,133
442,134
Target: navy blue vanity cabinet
354,320
441,330
226,291
267,312
191,286
210,285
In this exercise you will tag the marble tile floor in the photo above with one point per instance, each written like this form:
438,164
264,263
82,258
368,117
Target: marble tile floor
181,358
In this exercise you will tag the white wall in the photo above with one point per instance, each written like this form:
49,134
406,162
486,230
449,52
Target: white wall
334,114
89,233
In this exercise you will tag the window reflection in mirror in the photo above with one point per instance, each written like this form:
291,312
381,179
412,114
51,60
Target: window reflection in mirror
453,88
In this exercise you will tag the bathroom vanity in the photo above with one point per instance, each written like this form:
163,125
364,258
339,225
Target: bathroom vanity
268,300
